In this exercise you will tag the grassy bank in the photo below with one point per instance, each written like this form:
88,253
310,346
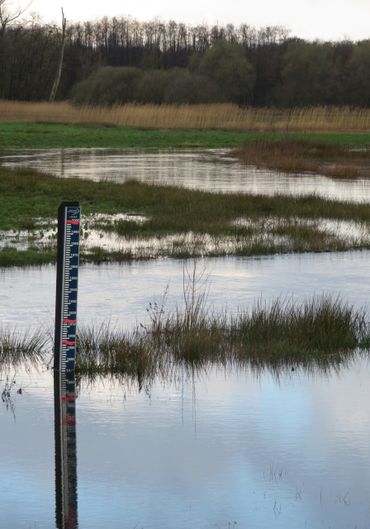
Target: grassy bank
177,222
211,116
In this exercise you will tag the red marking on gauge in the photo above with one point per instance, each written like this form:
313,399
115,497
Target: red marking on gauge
69,398
70,322
68,342
69,420
71,221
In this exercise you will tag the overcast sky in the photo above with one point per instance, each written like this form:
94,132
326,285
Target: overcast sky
310,19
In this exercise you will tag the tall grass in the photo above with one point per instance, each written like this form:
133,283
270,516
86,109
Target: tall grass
321,332
318,330
104,350
21,347
211,116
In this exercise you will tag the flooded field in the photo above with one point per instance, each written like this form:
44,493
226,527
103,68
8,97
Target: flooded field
220,450
211,170
121,293
216,448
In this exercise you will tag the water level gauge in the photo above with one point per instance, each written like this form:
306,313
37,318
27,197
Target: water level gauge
69,214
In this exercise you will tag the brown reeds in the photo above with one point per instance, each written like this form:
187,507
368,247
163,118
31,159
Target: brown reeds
211,116
298,156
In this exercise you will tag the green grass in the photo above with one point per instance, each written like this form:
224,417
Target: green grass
27,196
46,136
32,256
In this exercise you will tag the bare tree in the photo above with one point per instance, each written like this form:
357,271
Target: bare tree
9,14
54,89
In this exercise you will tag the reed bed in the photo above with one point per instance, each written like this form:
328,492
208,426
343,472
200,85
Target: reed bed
211,116
298,156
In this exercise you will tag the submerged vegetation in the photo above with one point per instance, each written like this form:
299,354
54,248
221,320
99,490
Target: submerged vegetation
320,332
173,221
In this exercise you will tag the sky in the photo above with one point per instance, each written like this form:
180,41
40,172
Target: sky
309,19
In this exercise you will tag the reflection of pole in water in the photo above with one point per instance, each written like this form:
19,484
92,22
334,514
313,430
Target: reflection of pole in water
65,451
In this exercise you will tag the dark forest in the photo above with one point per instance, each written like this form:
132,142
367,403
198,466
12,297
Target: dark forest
122,60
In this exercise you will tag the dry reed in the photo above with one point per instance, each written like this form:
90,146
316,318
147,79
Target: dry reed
298,156
212,116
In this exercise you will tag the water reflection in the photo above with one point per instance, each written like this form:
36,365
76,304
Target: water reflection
65,450
121,293
211,170
225,446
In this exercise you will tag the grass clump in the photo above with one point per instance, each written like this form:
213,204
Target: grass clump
21,348
104,351
32,256
321,332
284,332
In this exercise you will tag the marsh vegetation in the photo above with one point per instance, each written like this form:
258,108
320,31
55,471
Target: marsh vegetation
298,156
21,348
321,332
175,221
218,125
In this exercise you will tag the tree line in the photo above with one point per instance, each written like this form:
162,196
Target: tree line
118,60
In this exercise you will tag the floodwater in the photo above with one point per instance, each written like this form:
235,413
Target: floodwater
211,170
121,293
224,449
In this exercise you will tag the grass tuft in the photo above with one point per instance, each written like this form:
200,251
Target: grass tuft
322,332
21,348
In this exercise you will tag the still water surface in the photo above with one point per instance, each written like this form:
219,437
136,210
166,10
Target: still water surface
227,449
121,293
223,450
211,170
